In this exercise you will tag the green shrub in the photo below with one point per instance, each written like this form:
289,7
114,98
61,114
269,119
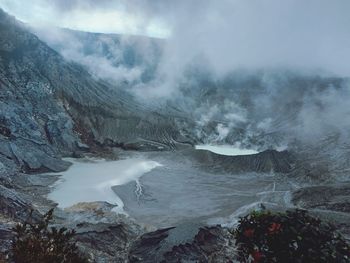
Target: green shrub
36,242
291,237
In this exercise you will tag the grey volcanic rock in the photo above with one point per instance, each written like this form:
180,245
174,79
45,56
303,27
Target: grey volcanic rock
148,248
105,242
209,244
92,212
327,197
51,108
48,105
6,236
13,206
267,161
28,109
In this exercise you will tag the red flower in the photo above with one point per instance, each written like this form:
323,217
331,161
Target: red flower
257,256
249,232
274,228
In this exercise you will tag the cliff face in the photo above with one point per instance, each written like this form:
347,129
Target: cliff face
36,129
47,105
263,162
50,108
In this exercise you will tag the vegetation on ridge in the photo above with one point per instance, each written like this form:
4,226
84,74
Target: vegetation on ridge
37,242
261,237
290,237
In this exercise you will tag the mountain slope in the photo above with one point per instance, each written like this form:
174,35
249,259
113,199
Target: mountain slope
49,104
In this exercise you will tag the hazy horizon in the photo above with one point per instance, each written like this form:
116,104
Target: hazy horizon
228,34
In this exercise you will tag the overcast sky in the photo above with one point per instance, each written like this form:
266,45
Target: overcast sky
105,16
304,34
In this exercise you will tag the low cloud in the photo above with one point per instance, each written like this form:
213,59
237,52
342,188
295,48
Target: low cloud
105,56
213,39
325,113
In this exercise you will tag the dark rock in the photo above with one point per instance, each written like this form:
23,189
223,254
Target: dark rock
13,206
210,244
147,248
145,145
5,131
36,159
105,242
83,146
6,237
330,197
267,161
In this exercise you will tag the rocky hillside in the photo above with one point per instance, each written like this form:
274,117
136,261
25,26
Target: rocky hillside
257,108
50,107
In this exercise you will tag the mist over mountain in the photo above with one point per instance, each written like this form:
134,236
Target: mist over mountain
295,53
165,116
121,59
309,35
301,105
